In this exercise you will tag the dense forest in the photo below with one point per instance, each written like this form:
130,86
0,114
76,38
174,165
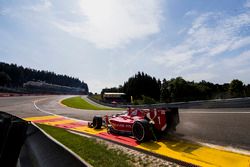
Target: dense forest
14,76
147,89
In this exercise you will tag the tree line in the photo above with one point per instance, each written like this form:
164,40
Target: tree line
15,76
143,87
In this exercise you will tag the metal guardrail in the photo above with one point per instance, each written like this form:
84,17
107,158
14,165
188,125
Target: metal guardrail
40,151
24,145
12,136
217,103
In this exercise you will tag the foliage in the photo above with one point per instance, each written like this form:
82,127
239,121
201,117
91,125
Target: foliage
178,89
236,88
95,153
20,75
4,79
78,102
247,90
148,100
145,100
97,97
142,84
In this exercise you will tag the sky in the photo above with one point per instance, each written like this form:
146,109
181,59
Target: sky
105,42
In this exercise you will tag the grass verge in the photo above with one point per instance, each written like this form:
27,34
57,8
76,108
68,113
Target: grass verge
78,102
95,153
97,97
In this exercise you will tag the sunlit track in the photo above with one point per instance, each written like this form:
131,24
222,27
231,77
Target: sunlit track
227,127
173,148
72,124
34,103
211,126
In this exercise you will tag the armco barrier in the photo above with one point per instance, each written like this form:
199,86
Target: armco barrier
22,144
39,150
12,136
217,103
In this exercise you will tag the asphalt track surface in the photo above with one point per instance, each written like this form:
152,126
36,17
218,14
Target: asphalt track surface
226,127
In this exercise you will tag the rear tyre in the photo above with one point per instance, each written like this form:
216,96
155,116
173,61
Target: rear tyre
141,130
172,119
97,122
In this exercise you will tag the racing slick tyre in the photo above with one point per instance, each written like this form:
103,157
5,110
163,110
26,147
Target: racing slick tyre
97,122
141,130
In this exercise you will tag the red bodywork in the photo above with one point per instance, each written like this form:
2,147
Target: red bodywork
124,122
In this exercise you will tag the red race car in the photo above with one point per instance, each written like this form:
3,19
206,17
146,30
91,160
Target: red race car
142,124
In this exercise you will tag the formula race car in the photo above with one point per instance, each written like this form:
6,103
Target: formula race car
142,124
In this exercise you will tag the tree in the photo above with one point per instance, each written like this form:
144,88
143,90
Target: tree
165,94
236,88
178,89
4,79
247,90
20,75
138,86
142,84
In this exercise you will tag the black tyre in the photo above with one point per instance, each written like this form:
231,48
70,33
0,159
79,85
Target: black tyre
172,119
97,122
141,130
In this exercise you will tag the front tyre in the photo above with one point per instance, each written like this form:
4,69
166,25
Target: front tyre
141,130
97,122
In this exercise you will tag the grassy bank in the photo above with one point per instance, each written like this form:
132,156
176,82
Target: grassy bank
97,97
78,102
92,151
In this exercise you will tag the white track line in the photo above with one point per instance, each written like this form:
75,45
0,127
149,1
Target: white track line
50,113
39,109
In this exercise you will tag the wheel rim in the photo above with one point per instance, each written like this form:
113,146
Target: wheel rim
138,131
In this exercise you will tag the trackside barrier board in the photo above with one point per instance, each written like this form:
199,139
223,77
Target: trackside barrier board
173,148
